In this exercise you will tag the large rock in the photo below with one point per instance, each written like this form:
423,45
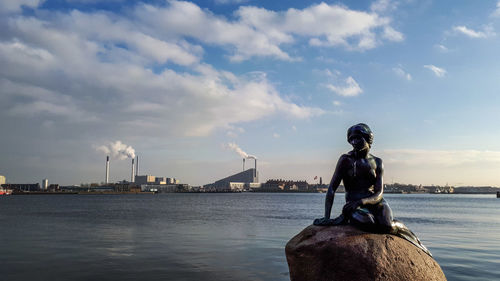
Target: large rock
346,253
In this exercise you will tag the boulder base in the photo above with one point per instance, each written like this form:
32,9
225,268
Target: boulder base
345,253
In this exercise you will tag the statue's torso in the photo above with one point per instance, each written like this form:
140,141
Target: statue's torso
359,176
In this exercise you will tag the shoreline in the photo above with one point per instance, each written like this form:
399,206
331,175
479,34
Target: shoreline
260,191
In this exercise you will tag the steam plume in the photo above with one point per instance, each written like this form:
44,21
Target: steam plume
118,150
234,147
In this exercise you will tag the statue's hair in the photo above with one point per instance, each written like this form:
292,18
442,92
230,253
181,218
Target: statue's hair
360,129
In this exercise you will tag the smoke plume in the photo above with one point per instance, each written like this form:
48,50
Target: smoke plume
234,147
117,150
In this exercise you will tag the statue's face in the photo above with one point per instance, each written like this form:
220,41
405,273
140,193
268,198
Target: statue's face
358,143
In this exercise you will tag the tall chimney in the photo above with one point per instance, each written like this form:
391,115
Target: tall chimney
137,166
133,171
107,169
255,172
243,164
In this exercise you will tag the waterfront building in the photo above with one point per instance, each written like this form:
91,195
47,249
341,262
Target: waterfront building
286,185
45,184
236,182
54,187
165,188
2,180
23,187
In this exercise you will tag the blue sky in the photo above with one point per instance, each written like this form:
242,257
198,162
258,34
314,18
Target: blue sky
184,83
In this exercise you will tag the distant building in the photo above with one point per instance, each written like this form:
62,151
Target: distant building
160,180
146,179
165,188
236,182
152,180
22,187
2,180
45,184
285,185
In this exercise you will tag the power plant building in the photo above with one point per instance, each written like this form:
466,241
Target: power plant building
237,182
145,179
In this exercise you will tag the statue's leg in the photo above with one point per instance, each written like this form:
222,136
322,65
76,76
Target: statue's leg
383,216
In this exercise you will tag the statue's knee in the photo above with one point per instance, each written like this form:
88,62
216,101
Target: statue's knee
362,218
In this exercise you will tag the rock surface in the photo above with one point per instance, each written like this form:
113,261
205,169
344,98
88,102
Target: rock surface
345,253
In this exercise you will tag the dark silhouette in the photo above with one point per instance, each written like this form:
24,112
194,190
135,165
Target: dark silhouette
362,174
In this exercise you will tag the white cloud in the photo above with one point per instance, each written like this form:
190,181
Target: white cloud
392,35
87,74
349,89
383,6
262,32
439,72
401,73
234,132
336,103
496,13
9,6
488,32
442,48
276,135
121,31
230,1
185,19
30,101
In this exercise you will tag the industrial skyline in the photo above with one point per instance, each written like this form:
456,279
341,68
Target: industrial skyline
185,82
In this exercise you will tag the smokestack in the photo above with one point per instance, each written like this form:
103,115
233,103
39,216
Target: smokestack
255,172
137,165
133,171
243,164
107,169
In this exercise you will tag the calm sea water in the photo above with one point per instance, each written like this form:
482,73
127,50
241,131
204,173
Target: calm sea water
217,236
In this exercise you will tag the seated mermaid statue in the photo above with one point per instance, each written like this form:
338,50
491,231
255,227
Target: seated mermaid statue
362,175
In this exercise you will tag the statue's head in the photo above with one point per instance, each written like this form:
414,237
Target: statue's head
359,132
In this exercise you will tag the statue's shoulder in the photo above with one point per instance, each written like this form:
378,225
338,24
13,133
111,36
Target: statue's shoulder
345,159
347,156
377,160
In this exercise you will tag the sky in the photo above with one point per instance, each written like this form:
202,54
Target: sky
189,86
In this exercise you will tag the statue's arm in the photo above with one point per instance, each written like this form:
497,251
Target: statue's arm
334,184
378,187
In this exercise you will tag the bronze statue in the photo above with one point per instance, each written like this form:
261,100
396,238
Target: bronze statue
362,175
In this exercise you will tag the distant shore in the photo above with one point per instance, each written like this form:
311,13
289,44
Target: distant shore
251,191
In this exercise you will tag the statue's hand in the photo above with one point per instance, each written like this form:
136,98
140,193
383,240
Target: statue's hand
350,207
322,221
326,221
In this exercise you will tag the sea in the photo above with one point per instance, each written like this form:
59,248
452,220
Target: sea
218,236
